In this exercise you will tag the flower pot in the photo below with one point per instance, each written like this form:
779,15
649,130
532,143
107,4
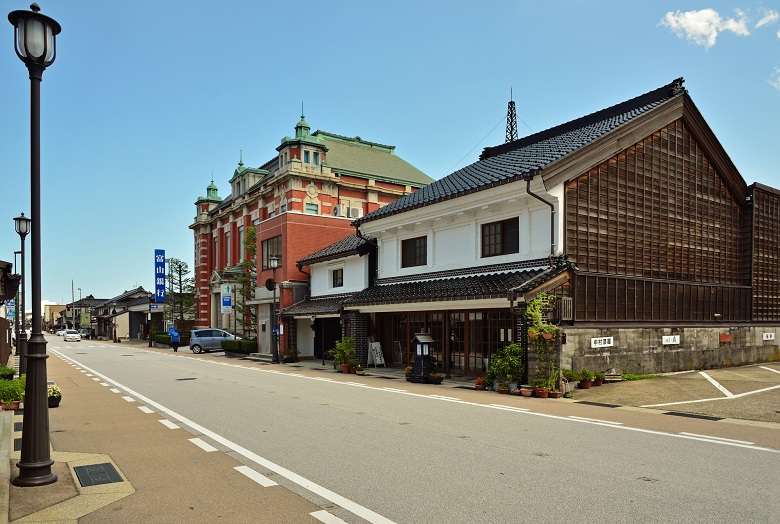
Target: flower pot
434,380
11,405
360,372
585,384
345,368
540,392
526,392
598,381
547,336
503,391
480,387
555,394
8,376
54,401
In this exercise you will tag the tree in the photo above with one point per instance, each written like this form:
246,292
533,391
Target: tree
247,281
181,294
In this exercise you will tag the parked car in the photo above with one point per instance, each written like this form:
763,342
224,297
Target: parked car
84,333
209,339
71,335
60,332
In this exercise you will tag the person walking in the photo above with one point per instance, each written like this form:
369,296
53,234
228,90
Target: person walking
175,340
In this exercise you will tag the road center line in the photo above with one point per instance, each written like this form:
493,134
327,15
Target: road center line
717,438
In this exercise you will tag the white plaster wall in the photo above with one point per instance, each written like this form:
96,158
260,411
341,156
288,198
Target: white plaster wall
454,234
355,276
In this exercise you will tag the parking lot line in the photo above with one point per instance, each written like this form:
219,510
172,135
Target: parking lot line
717,384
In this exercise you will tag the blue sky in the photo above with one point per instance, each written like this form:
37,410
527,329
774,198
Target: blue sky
148,99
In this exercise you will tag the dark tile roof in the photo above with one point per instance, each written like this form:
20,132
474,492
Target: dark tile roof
329,305
352,245
475,286
514,160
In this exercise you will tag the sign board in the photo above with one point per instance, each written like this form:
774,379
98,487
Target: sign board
375,355
159,275
154,307
602,342
226,293
670,339
767,336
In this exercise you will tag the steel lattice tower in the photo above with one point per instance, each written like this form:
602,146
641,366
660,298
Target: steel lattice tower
511,120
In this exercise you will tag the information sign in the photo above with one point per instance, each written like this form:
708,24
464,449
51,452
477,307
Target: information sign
227,298
159,275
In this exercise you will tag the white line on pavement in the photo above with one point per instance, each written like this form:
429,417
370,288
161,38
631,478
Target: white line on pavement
168,424
327,518
717,384
596,420
146,409
202,444
717,438
129,399
257,477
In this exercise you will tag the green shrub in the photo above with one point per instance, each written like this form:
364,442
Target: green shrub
571,375
640,376
5,370
10,390
242,346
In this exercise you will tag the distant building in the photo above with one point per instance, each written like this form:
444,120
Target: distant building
301,200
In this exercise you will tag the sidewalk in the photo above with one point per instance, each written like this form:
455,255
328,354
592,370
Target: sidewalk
162,476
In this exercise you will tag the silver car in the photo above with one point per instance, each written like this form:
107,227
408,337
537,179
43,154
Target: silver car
209,339
71,335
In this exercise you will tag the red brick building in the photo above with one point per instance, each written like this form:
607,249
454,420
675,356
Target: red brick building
300,201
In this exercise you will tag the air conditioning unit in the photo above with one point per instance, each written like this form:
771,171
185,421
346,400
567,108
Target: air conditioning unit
337,210
354,212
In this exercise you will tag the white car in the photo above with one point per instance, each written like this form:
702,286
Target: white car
60,332
71,335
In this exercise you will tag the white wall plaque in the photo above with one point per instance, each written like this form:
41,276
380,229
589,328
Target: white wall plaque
768,336
670,339
602,342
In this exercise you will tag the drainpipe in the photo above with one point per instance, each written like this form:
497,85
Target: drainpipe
552,215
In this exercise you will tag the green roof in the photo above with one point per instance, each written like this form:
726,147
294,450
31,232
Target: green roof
368,158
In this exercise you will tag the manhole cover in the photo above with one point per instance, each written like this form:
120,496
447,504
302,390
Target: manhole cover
95,474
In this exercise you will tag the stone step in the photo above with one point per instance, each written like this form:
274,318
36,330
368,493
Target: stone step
260,357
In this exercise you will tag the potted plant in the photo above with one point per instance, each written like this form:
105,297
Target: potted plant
479,383
526,390
507,364
553,386
598,378
289,355
434,378
540,387
7,373
11,394
586,378
408,373
359,370
503,387
54,395
343,353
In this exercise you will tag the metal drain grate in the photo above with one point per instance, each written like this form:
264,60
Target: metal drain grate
187,378
96,474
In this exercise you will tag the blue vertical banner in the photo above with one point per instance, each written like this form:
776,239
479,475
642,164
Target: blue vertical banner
159,275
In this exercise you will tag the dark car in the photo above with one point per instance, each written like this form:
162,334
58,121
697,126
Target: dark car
209,339
84,333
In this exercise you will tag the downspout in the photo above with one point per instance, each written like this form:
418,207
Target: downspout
552,215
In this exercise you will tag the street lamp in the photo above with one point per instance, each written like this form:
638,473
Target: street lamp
35,44
22,224
113,323
274,260
150,296
16,312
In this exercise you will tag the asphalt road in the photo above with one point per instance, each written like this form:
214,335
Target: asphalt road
427,454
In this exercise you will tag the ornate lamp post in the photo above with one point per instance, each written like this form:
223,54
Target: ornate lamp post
274,327
35,43
22,224
16,312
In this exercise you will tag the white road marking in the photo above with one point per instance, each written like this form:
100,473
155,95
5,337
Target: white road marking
327,518
202,444
129,399
114,390
508,408
146,409
257,477
168,424
770,369
596,420
104,384
738,395
718,438
442,397
717,384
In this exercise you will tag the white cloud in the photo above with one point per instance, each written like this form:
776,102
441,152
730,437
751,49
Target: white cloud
775,81
769,17
703,27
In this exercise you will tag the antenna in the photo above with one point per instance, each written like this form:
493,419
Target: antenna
511,120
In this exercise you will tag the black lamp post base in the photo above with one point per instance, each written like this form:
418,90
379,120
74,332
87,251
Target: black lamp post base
38,474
